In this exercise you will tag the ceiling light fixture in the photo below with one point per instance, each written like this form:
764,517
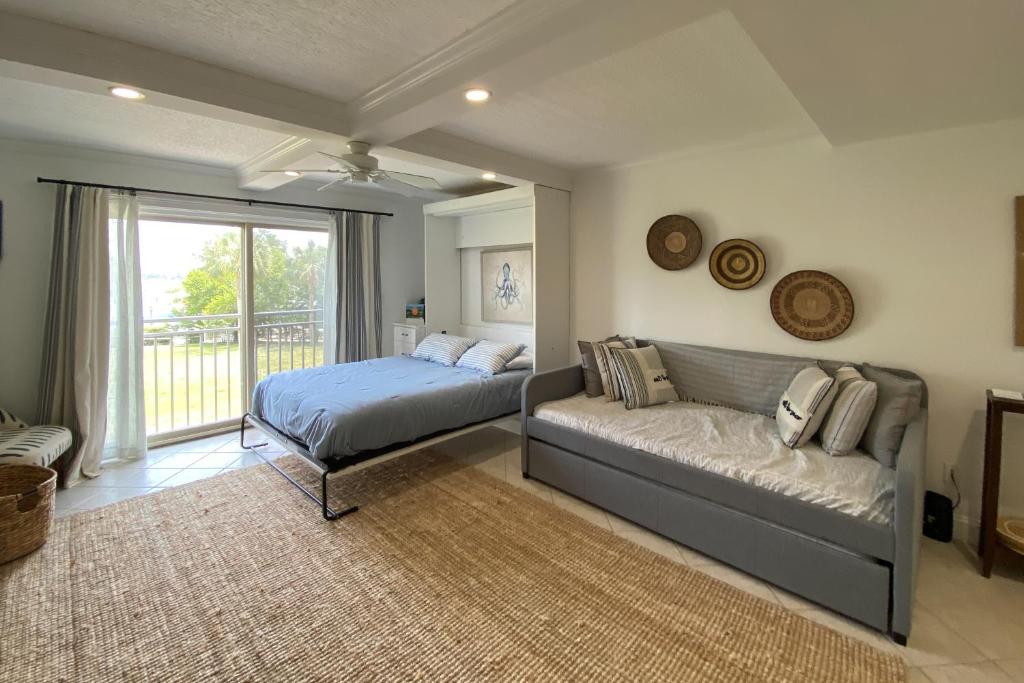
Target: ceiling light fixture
478,95
126,93
293,174
489,175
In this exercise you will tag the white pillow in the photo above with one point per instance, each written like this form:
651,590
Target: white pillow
445,349
803,405
524,361
489,357
850,412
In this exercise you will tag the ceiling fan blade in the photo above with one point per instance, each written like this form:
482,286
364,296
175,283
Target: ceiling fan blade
301,170
421,181
343,162
396,185
343,179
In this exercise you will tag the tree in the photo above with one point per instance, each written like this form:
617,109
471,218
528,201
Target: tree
283,281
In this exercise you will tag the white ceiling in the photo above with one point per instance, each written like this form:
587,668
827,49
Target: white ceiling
30,111
702,85
577,83
336,48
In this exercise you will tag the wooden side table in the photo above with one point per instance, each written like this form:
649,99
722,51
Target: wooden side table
995,407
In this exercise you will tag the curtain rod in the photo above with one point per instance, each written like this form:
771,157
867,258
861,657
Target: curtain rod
209,196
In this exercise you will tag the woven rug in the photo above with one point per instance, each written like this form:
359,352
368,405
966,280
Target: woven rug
444,574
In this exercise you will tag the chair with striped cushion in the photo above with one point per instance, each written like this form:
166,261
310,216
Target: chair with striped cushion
24,445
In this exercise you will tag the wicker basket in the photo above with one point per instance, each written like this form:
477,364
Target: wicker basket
26,508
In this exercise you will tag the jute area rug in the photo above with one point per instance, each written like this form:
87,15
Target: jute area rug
445,574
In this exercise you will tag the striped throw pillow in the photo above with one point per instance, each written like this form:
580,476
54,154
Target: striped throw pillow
9,421
803,406
603,355
445,349
489,357
642,377
850,412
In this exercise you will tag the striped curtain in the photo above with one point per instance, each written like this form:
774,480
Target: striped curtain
76,338
352,309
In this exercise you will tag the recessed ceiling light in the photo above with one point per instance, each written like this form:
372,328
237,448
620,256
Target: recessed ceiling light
478,95
489,175
126,93
293,174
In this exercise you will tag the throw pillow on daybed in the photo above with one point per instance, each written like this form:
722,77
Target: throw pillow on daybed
591,370
524,361
605,363
489,357
445,349
899,400
642,377
803,406
852,408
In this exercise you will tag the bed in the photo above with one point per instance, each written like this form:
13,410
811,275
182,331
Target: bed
337,416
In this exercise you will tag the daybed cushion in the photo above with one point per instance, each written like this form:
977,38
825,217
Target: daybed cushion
899,400
445,349
803,406
739,379
40,445
848,417
642,377
488,356
738,445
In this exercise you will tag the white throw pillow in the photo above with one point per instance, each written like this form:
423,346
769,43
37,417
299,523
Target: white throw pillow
445,349
489,357
851,410
524,361
804,405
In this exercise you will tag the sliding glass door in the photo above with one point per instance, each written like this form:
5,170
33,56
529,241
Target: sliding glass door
224,305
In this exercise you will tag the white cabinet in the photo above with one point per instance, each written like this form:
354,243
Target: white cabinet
407,337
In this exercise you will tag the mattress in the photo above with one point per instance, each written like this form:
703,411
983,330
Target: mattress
735,444
350,408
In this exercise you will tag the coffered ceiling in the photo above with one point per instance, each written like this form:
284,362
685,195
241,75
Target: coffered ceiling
576,83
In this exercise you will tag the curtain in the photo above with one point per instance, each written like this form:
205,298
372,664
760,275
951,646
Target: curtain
352,309
126,416
73,385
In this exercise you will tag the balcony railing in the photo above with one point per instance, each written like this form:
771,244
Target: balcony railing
194,371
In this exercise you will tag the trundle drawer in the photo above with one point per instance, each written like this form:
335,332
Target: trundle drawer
556,467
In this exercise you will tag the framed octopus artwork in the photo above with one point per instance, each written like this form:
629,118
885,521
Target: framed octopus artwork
506,276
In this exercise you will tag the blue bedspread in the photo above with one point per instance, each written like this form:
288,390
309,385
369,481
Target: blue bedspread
344,409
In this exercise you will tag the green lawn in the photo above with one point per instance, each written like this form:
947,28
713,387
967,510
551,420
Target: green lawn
189,387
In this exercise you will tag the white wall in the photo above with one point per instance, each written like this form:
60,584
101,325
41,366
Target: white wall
920,229
27,236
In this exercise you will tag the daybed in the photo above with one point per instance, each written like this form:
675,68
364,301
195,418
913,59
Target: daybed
842,532
337,416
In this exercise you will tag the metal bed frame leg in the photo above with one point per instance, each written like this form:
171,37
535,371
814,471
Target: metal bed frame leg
329,513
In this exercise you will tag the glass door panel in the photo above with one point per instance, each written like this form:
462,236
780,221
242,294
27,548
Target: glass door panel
288,269
190,298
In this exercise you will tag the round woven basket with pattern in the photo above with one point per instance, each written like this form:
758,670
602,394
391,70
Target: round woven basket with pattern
26,508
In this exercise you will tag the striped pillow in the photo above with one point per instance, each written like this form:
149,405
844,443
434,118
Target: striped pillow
445,349
803,406
848,418
642,377
603,355
489,357
9,421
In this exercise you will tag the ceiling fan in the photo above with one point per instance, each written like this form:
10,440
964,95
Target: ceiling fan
359,167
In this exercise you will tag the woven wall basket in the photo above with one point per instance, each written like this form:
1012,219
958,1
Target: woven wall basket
26,508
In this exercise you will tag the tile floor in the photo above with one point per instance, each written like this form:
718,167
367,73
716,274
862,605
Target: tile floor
966,628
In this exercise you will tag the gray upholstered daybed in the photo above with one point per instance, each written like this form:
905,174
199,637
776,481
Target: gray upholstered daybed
845,537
